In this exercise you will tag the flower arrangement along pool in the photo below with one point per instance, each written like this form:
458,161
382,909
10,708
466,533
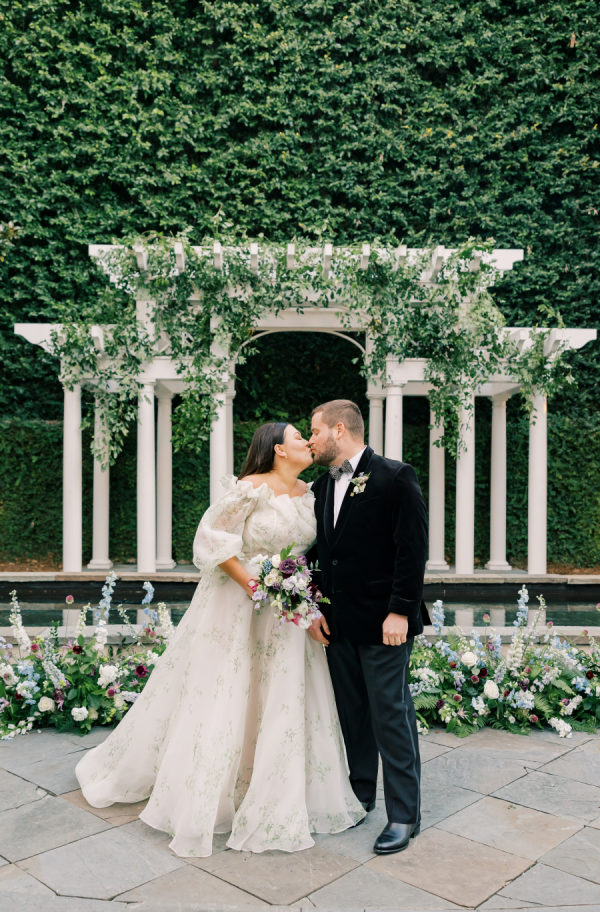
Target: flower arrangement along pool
461,681
466,681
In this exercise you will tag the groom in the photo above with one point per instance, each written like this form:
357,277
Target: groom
371,547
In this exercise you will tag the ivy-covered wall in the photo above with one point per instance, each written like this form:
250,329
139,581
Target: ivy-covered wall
348,120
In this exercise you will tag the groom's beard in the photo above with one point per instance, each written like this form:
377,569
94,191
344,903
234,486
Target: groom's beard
328,455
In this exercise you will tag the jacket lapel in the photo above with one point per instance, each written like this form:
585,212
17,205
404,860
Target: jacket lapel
347,501
328,509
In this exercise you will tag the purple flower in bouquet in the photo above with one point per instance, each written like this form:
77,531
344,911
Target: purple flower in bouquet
301,561
287,567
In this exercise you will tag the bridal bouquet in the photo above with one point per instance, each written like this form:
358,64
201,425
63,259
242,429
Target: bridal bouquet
285,580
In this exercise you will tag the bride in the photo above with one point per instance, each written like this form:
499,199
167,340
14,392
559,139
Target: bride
236,730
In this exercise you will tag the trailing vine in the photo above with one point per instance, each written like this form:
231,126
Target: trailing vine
204,317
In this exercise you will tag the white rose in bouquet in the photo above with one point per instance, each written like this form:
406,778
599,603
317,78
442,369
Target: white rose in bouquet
490,689
271,578
79,713
46,705
469,659
275,560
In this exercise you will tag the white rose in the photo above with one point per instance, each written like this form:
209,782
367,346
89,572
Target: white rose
108,674
469,659
7,674
79,713
271,578
490,689
276,560
46,705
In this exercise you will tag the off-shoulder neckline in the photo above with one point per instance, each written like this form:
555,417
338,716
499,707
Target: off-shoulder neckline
264,484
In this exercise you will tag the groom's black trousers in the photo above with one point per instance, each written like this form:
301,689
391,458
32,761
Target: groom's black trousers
377,716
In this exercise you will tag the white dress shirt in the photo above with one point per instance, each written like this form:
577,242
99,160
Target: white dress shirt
341,485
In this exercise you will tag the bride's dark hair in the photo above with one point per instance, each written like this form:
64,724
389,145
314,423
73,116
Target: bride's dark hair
261,454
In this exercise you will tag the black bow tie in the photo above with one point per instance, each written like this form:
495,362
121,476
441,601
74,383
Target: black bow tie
336,472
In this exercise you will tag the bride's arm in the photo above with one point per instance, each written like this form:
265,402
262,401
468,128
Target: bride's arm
236,570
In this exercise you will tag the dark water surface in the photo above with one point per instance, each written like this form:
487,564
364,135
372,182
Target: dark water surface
41,614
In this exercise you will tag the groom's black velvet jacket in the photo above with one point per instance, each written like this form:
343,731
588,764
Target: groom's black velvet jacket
373,561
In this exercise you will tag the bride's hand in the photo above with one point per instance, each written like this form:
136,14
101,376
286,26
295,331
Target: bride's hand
251,586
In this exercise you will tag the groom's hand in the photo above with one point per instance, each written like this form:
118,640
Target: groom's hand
395,629
318,629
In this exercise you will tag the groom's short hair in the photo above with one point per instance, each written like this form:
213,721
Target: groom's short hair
343,410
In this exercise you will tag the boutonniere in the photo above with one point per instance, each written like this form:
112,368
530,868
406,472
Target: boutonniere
359,483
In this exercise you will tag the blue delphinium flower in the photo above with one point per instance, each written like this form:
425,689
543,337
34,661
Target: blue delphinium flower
149,593
102,611
522,609
438,616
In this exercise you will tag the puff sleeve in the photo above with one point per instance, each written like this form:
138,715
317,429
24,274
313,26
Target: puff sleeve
220,533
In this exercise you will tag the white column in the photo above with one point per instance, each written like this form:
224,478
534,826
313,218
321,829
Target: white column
229,397
464,618
164,482
219,444
497,559
437,493
393,422
101,494
376,396
72,480
465,495
146,482
538,471
498,617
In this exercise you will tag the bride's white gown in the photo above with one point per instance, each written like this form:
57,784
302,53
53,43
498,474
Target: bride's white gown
236,729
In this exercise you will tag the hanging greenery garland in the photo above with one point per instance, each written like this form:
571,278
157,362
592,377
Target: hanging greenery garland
203,315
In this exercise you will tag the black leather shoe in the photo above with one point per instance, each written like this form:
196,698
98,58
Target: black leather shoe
368,805
395,837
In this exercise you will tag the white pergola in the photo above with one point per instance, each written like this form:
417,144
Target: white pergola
160,380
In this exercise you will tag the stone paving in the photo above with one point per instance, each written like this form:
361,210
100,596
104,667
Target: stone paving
509,823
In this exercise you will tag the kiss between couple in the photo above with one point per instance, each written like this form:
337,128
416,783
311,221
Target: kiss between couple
239,729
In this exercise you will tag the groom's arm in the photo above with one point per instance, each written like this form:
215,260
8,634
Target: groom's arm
410,554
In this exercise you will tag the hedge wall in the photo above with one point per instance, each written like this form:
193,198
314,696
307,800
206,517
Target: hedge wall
435,120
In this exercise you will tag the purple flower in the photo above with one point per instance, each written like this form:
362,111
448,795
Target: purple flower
439,704
301,561
287,567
